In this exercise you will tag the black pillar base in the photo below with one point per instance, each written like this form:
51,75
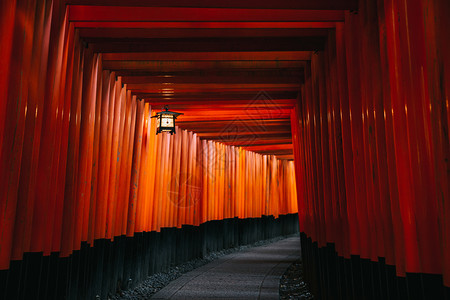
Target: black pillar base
330,277
113,266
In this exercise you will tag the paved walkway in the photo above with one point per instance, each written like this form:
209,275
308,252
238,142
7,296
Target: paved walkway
251,274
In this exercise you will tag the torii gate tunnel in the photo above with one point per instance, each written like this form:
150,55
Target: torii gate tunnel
328,117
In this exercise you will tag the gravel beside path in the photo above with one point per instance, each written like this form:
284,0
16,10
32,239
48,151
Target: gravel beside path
292,285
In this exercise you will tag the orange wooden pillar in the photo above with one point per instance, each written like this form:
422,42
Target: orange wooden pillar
125,164
135,169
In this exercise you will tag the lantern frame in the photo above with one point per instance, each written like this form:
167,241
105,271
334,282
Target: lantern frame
164,118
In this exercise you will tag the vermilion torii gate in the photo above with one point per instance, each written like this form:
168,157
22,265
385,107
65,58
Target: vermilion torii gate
339,108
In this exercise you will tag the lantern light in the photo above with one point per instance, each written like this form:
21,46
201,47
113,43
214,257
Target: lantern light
165,121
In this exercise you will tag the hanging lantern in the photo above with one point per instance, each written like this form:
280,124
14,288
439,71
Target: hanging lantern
165,121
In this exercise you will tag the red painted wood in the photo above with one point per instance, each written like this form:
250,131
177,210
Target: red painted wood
202,24
31,138
115,158
131,220
187,65
330,93
224,96
124,147
65,93
124,13
397,230
72,156
7,13
217,44
91,225
86,140
44,202
13,125
129,163
207,56
401,142
143,174
440,94
286,4
121,158
100,210
367,112
58,93
157,189
150,33
382,93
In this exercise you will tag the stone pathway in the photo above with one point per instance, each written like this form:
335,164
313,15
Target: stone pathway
251,274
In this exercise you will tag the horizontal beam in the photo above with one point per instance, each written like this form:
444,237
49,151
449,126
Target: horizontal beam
200,25
229,79
245,137
279,4
129,13
209,104
214,73
185,86
230,117
230,129
314,43
275,152
262,142
264,151
225,95
173,66
149,33
249,113
238,114
171,92
285,156
274,147
213,123
209,56
216,108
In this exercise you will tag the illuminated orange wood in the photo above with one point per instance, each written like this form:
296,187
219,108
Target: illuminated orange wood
124,161
141,202
157,200
131,220
169,182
